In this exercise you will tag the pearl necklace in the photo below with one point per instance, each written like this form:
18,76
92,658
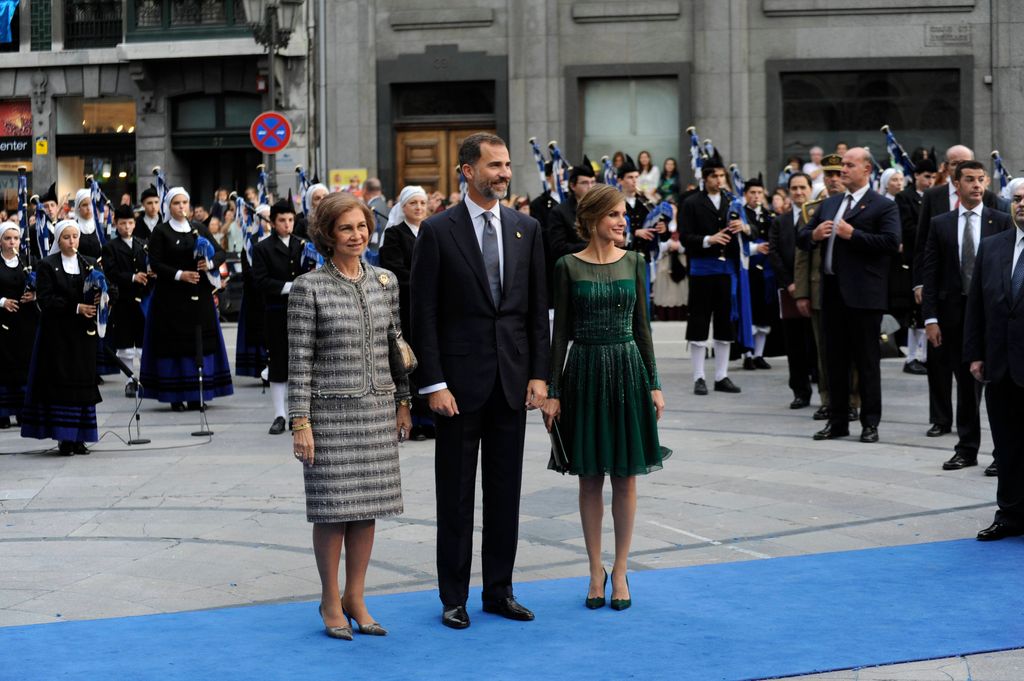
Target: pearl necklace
345,276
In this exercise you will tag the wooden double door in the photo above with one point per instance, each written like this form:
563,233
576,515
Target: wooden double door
429,157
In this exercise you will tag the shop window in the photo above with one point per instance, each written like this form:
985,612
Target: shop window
78,116
630,114
823,108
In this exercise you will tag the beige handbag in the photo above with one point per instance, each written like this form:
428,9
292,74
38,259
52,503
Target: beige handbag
400,354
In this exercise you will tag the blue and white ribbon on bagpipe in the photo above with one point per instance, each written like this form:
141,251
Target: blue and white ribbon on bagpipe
44,233
608,173
161,190
302,183
101,216
463,184
30,280
1001,175
205,251
311,258
538,158
96,283
23,221
740,310
252,225
738,183
696,155
559,170
897,157
261,185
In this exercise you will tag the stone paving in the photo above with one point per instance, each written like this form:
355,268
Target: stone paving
189,523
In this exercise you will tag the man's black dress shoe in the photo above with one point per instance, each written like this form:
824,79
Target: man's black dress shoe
748,364
959,461
177,406
800,403
998,530
915,367
823,414
869,434
726,386
759,363
853,414
278,426
938,431
455,617
830,433
700,387
992,471
508,608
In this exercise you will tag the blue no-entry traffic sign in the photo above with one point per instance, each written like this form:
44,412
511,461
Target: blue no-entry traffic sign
270,132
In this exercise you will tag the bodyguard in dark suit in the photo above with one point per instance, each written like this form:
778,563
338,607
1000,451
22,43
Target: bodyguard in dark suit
859,231
994,347
480,331
949,260
276,261
782,253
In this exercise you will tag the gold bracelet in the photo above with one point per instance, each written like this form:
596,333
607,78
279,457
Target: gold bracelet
302,426
404,402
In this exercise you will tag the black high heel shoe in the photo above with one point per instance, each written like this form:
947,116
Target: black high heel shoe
622,603
598,602
344,633
371,629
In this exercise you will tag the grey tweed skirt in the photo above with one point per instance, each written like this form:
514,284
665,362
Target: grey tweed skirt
355,473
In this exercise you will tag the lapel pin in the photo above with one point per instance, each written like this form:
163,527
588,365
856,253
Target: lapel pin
384,279
519,235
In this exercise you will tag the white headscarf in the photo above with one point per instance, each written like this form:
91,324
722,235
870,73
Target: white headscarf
171,193
883,183
9,224
85,226
307,198
397,214
61,226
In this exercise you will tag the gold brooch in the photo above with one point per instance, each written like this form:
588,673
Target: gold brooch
519,235
384,279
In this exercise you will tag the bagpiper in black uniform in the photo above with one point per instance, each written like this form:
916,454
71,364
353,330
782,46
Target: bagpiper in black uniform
764,301
313,194
19,318
90,244
149,217
251,344
61,396
125,262
276,263
560,235
182,323
547,201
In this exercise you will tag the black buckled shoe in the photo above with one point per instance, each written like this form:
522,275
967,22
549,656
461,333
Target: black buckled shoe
748,364
726,386
869,434
700,387
509,608
277,427
455,617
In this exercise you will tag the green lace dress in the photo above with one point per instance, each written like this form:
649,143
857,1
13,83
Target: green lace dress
608,423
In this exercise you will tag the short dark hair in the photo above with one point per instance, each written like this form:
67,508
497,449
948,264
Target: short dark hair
708,168
810,182
333,206
469,150
967,165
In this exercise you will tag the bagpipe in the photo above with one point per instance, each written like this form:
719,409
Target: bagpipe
23,202
697,156
161,190
261,185
559,170
741,310
250,221
96,285
608,174
205,251
44,235
302,185
102,210
897,157
311,258
538,158
1000,173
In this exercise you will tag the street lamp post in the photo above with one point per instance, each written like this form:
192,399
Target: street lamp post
272,23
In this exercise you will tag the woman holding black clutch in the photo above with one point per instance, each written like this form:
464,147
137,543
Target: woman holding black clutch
607,398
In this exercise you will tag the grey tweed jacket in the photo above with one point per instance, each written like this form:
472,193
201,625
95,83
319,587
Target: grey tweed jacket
338,335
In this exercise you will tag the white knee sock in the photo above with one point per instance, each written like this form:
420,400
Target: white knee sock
279,395
697,354
911,345
760,337
721,359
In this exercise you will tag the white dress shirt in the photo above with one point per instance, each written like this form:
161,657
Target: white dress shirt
954,198
716,201
476,215
975,234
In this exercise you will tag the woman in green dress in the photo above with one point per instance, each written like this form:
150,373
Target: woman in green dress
606,396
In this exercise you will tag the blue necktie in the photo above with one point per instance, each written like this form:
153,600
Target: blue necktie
1017,279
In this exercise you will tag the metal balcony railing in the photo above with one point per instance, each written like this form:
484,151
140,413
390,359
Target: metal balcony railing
92,23
184,19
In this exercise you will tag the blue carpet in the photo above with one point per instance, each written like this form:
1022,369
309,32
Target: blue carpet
748,620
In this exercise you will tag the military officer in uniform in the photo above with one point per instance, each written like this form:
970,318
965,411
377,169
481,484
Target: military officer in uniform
276,262
807,290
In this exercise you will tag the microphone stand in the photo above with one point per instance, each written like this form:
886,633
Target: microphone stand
127,371
204,424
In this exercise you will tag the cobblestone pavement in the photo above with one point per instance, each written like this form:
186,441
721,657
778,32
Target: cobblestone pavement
187,523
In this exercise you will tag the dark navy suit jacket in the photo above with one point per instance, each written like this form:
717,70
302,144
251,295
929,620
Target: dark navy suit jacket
994,324
861,262
459,336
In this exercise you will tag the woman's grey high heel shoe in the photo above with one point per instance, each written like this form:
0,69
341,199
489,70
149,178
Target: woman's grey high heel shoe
344,633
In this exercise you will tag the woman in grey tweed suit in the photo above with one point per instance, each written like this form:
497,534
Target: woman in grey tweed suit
348,409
